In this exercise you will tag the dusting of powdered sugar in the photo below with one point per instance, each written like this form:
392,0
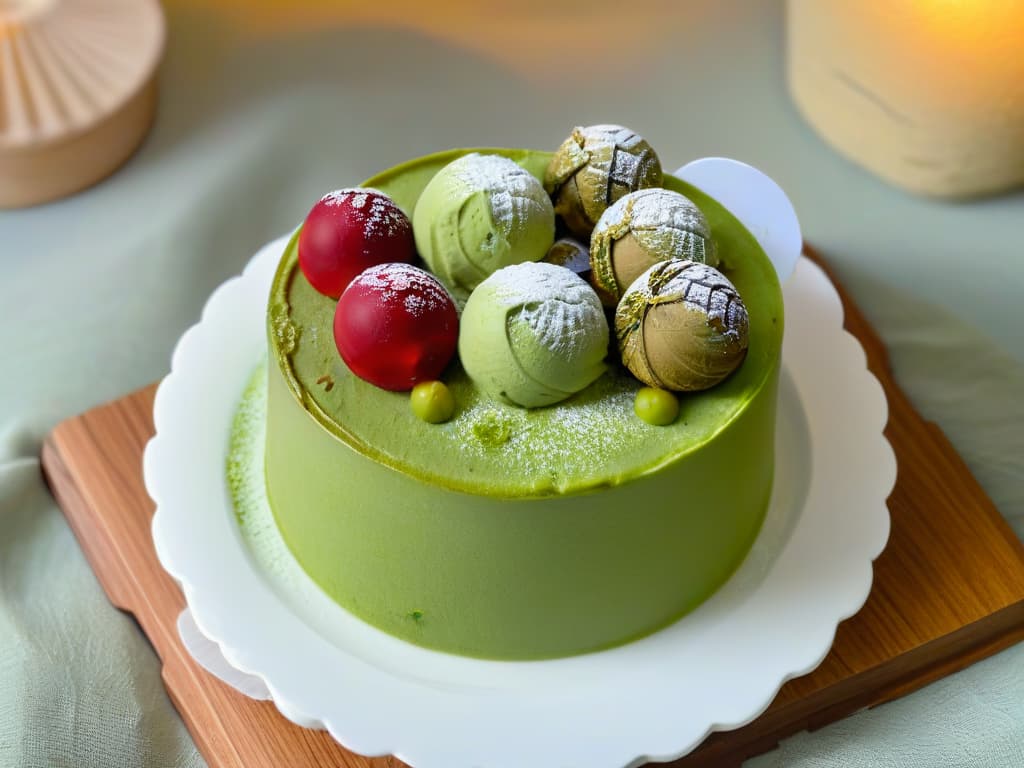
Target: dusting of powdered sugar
533,282
513,191
698,286
555,448
419,291
680,226
381,216
560,308
632,160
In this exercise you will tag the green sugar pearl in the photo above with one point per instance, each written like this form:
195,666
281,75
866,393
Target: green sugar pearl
432,401
656,406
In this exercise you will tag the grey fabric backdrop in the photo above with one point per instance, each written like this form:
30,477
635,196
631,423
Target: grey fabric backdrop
264,106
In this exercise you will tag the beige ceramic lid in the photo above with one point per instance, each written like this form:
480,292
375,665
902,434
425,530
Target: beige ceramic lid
77,91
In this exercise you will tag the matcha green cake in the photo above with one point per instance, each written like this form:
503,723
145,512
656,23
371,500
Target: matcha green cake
513,532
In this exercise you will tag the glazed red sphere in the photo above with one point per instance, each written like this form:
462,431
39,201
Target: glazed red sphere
395,326
348,231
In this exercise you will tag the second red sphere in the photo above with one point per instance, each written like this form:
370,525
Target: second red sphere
395,326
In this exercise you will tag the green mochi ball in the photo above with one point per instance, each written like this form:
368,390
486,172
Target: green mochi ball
480,213
533,334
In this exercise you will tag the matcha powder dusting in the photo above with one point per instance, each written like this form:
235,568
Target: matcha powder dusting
556,446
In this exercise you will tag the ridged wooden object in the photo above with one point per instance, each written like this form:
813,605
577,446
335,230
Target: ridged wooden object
77,92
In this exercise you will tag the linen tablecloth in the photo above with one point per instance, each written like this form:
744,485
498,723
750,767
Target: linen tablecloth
264,106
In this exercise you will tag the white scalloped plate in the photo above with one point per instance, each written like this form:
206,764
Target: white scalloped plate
653,699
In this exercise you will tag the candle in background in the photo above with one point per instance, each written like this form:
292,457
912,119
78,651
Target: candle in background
77,92
928,94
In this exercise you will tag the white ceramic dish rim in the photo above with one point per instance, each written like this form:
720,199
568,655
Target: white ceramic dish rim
654,699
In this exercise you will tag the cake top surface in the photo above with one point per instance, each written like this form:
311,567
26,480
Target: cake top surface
589,441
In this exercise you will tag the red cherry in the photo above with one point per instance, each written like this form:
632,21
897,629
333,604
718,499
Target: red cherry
395,326
348,231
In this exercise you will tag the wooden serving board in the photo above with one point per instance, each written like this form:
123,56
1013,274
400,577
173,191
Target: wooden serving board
948,590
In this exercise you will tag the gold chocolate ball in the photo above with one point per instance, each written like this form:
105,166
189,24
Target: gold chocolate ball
593,168
569,253
642,229
682,326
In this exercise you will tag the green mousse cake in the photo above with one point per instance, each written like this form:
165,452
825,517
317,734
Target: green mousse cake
507,532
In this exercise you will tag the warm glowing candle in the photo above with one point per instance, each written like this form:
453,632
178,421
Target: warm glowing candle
927,93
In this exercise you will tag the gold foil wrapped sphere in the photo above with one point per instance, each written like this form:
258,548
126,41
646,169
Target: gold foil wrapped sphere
642,229
571,254
593,168
682,326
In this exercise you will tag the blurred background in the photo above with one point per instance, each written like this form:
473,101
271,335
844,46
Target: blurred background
263,106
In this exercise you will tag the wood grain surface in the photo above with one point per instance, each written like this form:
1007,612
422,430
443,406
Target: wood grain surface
948,589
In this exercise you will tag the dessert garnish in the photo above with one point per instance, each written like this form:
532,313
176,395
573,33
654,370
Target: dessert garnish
492,429
681,326
480,213
348,231
533,334
642,229
593,168
395,326
656,406
533,330
432,401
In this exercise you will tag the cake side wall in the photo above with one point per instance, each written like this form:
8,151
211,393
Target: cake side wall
475,575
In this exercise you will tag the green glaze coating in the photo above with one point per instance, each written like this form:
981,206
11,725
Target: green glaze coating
516,533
